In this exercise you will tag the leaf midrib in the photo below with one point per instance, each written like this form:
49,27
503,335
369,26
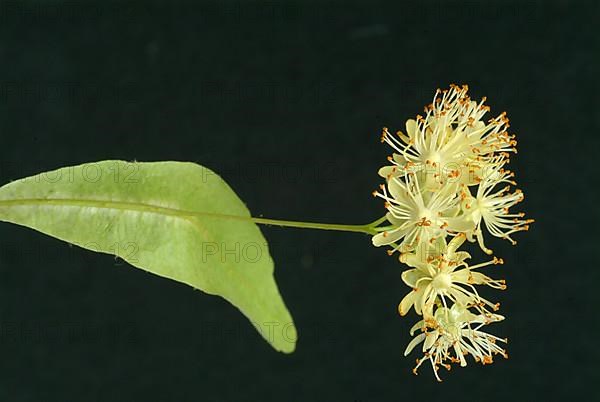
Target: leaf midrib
118,205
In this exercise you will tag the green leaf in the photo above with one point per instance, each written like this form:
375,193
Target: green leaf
178,220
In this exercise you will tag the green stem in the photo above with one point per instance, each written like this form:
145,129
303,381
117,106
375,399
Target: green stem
316,225
134,206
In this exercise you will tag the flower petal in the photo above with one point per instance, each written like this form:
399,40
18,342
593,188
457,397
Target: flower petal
430,339
407,302
411,277
421,301
461,223
418,325
395,221
455,243
398,190
388,171
413,260
411,126
416,340
385,238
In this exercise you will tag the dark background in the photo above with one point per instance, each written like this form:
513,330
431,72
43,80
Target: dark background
286,102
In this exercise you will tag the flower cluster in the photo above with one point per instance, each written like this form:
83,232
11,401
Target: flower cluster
447,179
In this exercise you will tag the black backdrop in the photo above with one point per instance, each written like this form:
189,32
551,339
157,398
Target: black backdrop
286,101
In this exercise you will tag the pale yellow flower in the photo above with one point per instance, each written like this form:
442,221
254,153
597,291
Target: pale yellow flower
490,207
416,216
451,334
439,273
447,178
450,142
